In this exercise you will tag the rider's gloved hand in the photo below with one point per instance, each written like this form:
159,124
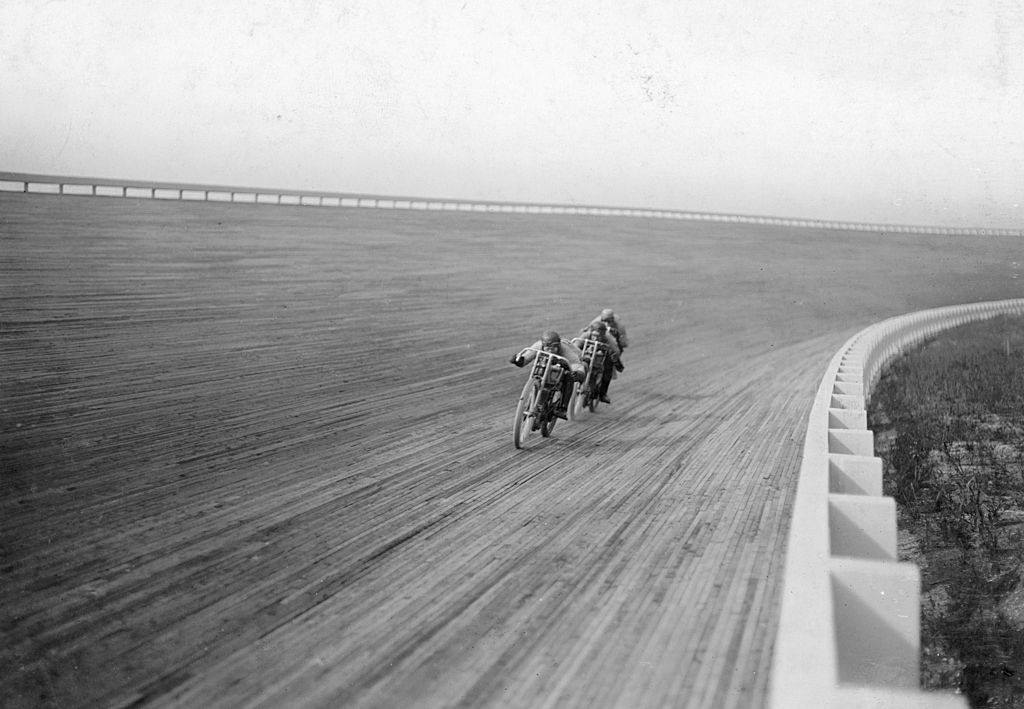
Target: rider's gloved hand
577,376
619,366
516,360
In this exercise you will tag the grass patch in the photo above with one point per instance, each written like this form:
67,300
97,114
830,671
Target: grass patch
948,420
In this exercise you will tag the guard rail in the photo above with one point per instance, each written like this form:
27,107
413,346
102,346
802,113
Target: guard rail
849,630
109,187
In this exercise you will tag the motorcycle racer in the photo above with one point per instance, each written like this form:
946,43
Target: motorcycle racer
598,330
607,316
551,341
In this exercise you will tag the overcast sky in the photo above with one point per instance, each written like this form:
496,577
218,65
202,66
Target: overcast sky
871,111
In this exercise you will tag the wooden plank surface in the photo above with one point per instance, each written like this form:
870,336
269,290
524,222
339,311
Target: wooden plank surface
262,455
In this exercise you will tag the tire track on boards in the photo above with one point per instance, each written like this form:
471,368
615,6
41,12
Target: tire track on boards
638,534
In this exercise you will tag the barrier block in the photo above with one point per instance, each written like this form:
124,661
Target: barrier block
876,607
854,475
862,526
851,388
856,377
43,187
846,401
848,418
851,442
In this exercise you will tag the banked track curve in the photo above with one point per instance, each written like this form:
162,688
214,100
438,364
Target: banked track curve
262,455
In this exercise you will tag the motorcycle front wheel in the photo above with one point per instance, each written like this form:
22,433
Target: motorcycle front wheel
526,412
549,420
593,398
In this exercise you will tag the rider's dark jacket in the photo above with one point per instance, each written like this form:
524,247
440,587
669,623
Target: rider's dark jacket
620,331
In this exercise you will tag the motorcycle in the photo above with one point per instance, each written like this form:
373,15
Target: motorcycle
540,398
586,393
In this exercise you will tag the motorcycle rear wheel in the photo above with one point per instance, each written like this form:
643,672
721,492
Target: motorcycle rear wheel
579,395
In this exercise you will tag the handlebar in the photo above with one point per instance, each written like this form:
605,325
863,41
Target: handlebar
543,352
587,342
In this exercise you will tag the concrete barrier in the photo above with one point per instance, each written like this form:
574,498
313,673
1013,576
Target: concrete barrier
105,187
849,630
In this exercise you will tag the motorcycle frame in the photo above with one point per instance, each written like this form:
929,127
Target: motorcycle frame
542,368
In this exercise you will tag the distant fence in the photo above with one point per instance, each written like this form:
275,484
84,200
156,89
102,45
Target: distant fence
108,187
849,631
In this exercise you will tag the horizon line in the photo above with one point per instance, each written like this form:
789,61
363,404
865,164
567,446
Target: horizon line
27,180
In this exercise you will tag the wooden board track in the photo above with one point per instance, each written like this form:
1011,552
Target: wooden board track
262,455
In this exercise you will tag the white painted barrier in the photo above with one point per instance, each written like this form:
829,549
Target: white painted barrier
849,631
104,187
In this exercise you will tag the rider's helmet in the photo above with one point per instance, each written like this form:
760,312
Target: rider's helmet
598,327
550,340
607,315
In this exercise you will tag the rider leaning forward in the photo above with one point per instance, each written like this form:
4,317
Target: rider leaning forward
616,329
598,330
552,342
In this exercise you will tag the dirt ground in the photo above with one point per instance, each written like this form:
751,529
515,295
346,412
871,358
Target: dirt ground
263,455
948,419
